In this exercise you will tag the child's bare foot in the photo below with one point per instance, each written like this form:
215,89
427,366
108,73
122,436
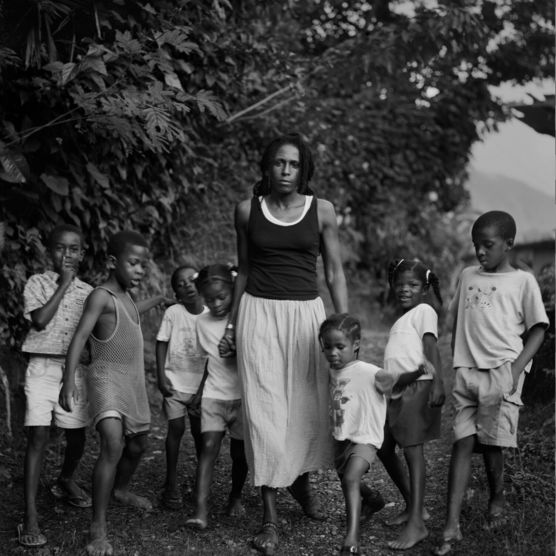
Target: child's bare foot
234,507
129,499
450,536
199,520
496,517
68,490
409,536
402,518
266,540
98,545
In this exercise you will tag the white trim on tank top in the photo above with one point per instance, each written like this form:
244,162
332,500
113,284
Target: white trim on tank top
274,220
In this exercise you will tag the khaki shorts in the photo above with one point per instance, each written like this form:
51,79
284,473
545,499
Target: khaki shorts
43,382
484,407
222,415
179,404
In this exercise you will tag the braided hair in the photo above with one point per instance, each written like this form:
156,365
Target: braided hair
306,164
215,273
423,273
344,322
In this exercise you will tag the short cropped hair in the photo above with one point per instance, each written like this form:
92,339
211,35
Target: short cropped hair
62,229
120,240
306,164
502,221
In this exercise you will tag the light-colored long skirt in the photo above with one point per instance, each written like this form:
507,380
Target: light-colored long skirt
284,381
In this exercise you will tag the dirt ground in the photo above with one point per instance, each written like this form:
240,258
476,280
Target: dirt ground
529,478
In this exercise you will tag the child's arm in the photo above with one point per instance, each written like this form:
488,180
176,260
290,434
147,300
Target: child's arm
534,340
43,315
407,378
146,304
94,307
430,347
164,385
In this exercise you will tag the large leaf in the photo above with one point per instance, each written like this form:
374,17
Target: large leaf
58,184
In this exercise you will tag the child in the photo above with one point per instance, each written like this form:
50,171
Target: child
180,368
116,380
53,303
221,401
413,414
495,305
358,413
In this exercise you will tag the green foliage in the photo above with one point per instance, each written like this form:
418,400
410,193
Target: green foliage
151,116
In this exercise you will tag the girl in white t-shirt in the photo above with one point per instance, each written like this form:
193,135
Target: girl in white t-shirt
413,415
358,412
221,402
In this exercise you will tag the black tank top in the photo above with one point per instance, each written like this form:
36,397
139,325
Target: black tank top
283,259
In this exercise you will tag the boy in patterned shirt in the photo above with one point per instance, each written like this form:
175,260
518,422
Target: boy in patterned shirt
53,302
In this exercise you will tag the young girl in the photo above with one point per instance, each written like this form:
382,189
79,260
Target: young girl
413,415
358,413
180,369
221,401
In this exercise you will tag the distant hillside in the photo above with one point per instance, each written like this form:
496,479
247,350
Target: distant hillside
534,212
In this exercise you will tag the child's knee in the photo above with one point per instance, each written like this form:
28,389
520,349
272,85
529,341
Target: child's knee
112,447
37,438
137,445
176,426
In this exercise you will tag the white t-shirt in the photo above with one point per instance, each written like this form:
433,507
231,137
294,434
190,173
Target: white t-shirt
404,350
493,310
358,410
222,381
185,364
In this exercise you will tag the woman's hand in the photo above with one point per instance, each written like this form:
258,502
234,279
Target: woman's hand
227,345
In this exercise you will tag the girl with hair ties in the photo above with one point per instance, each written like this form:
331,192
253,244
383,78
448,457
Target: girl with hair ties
274,323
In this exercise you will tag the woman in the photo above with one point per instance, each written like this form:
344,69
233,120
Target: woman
275,316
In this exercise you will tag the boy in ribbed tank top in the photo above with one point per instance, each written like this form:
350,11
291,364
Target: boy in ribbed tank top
116,380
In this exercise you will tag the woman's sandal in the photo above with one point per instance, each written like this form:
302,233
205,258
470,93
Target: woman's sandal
309,503
266,540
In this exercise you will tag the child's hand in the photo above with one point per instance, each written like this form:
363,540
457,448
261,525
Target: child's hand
167,301
427,368
437,396
165,387
68,271
516,372
68,396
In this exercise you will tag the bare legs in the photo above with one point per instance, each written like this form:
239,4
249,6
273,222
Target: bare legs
117,461
414,530
211,442
351,487
37,440
176,429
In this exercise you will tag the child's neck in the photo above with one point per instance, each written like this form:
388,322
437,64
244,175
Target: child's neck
193,307
504,266
113,285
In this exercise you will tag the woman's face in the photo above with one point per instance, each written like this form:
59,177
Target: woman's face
284,170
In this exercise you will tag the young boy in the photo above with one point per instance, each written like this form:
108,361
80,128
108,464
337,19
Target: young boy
180,366
495,304
53,303
116,380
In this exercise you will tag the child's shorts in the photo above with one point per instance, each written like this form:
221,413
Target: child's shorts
179,404
219,415
410,419
344,449
43,382
130,427
484,407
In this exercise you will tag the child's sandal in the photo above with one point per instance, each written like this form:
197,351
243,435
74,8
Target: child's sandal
266,540
350,550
